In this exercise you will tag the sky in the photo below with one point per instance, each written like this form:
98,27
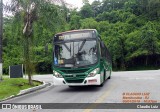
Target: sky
76,3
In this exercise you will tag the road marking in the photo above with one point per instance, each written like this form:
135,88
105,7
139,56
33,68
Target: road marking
100,99
145,78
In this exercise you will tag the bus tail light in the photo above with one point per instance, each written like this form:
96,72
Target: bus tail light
93,73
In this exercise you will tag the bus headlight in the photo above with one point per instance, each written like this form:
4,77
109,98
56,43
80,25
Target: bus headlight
56,74
93,73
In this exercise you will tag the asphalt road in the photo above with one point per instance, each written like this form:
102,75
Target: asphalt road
145,83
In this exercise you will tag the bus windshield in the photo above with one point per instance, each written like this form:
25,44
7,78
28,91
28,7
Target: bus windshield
75,53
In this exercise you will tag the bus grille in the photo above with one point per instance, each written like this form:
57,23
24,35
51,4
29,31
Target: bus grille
75,76
74,71
75,81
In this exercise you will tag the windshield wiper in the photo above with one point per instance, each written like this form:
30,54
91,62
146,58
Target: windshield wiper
67,47
78,53
82,45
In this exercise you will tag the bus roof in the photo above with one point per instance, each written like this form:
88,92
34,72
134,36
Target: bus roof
77,31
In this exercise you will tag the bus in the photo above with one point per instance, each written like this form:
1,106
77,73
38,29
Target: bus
80,58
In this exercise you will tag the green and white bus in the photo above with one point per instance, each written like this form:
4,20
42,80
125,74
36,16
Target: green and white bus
80,58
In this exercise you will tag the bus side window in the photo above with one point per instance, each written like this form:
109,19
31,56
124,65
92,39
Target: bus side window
108,56
102,49
99,48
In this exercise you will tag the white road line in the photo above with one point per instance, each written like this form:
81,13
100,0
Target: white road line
145,78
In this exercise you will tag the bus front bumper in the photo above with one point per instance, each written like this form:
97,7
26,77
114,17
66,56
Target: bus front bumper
87,81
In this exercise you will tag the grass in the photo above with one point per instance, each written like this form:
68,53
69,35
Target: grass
13,86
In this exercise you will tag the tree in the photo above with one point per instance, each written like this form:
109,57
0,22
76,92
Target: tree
89,23
130,29
85,2
75,22
12,43
86,11
1,36
28,11
96,6
149,40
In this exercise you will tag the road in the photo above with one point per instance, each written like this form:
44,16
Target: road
129,82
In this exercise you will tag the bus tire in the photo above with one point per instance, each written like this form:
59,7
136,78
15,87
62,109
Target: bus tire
104,76
109,75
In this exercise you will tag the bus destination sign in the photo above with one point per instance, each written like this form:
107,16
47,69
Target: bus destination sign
73,36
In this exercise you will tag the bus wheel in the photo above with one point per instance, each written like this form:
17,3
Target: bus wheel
109,75
104,76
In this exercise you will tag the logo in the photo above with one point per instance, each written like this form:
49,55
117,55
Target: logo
68,74
6,106
71,75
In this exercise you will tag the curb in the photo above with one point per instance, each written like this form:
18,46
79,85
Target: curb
29,90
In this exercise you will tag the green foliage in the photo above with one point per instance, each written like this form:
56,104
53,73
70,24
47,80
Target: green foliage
129,28
75,22
13,86
88,23
21,48
96,7
86,11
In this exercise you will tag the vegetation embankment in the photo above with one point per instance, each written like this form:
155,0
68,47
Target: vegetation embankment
13,86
